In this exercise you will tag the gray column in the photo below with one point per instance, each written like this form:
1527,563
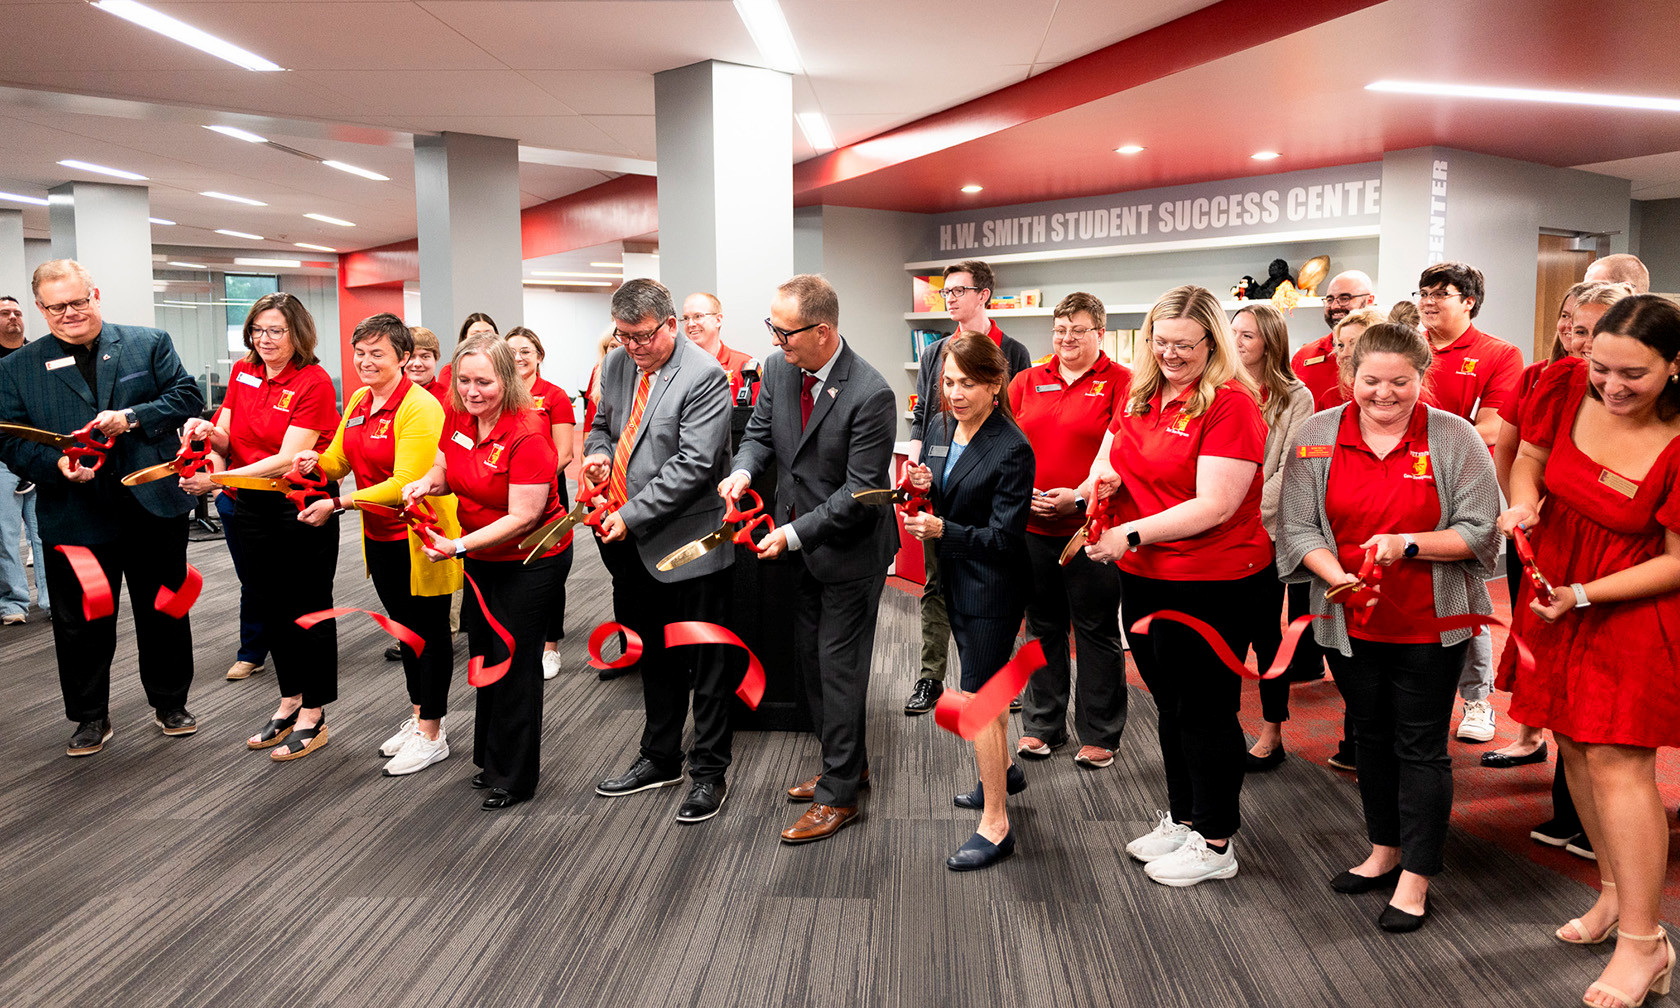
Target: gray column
726,189
106,228
14,270
466,194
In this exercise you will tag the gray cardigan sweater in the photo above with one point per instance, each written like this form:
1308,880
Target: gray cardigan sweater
1469,506
1279,437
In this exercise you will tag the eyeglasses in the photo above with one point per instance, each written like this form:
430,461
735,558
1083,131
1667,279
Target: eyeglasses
1436,295
781,335
1182,348
1074,332
957,292
276,334
638,339
1344,300
55,310
697,316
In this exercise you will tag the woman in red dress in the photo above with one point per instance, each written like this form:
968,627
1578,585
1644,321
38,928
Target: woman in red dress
559,420
1605,454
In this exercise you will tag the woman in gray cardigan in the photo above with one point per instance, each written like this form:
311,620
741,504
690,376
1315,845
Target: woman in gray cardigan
1412,487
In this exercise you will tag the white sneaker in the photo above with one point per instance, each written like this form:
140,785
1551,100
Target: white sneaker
1193,862
418,753
1166,837
405,731
1477,724
551,664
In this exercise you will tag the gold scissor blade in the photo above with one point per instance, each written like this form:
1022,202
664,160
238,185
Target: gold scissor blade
37,435
879,498
151,474
249,482
551,533
1075,544
563,522
696,549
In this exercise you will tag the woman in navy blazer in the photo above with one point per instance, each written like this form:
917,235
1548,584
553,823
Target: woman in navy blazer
981,480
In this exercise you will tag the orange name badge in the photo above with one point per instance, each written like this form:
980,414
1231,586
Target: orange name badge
1313,451
1621,484
1314,360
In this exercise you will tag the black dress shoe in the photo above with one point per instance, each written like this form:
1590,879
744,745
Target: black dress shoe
1260,764
609,674
1348,882
1344,757
643,775
176,722
978,852
924,697
703,801
478,782
1398,921
975,799
89,738
500,799
393,653
1500,761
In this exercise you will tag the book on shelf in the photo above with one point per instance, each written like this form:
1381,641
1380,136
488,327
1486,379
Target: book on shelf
925,295
920,339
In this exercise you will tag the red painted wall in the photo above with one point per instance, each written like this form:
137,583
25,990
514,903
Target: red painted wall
354,304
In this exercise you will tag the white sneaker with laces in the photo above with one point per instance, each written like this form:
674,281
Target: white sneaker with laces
1193,862
394,744
551,664
1477,723
418,753
1166,837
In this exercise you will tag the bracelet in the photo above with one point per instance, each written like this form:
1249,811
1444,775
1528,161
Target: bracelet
1580,590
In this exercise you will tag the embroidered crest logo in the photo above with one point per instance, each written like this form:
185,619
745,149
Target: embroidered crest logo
1421,467
1097,386
285,401
495,455
1468,365
384,428
536,402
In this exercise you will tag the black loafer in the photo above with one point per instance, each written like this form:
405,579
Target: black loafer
977,852
1500,761
89,738
500,799
643,775
1348,882
393,653
1344,758
478,782
703,801
924,697
176,722
975,799
1397,921
1260,764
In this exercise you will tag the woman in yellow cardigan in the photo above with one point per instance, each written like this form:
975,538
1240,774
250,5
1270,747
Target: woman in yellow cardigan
388,438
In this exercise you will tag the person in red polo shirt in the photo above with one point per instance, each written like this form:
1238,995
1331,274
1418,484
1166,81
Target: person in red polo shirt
422,366
1473,375
702,322
496,456
1184,472
1390,477
1064,406
560,420
1316,363
280,401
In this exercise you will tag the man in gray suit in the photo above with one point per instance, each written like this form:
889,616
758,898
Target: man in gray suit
661,439
825,418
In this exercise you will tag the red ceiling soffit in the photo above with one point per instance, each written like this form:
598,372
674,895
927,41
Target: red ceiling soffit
625,207
381,264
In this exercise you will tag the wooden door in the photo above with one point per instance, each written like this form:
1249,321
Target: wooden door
1557,269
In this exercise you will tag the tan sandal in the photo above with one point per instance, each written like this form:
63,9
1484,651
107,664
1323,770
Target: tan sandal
1586,937
1658,984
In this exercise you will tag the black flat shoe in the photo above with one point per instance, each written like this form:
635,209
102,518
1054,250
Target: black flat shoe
500,799
924,697
89,737
1016,780
1500,761
1397,921
478,782
393,653
1270,761
1348,882
977,852
273,733
176,722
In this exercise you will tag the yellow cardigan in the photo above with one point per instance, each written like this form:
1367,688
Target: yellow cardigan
419,424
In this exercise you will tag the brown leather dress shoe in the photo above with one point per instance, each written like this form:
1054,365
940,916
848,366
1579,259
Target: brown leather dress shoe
807,790
819,823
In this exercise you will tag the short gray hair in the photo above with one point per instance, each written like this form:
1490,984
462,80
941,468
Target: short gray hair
640,299
58,269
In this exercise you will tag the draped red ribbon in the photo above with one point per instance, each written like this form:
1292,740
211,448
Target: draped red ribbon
390,625
632,646
965,715
751,689
176,603
477,674
96,588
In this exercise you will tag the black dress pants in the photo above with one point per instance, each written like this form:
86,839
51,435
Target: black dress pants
1085,594
646,605
833,646
429,672
507,734
291,567
151,552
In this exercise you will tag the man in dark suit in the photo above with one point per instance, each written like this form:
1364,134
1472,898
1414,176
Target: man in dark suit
661,439
129,381
825,418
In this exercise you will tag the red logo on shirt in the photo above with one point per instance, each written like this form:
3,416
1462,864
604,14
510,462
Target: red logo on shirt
536,402
1179,424
495,455
384,428
1097,387
1468,365
285,401
1421,467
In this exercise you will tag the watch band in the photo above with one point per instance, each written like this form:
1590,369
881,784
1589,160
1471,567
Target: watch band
1581,601
1411,549
460,547
1133,540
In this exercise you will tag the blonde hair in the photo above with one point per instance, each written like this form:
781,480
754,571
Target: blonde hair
515,396
58,269
1366,318
1199,306
425,339
608,341
1275,374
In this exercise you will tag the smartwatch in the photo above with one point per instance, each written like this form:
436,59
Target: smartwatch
1580,595
1079,503
1133,540
129,418
1411,549
460,547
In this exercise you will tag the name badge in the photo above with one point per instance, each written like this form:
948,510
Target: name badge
1313,451
939,451
54,365
247,378
1621,484
1052,387
463,440
1314,360
354,422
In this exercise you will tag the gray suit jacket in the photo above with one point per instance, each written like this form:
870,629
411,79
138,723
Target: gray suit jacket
679,456
846,447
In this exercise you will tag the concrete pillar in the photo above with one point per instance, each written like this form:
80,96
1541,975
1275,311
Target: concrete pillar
726,189
106,228
466,194
14,270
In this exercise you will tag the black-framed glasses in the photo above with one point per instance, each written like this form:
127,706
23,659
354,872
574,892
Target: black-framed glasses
1437,295
1344,300
55,310
638,339
276,334
781,335
951,292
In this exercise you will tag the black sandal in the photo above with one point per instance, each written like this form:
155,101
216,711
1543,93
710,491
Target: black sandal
303,742
273,732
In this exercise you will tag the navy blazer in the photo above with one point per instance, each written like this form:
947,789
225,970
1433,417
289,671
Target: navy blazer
985,503
135,368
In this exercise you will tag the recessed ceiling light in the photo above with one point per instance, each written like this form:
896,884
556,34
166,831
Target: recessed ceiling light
88,166
188,265
239,234
352,169
161,222
185,33
569,283
234,199
1265,155
600,276
769,31
238,134
616,265
1130,149
815,128
318,248
15,198
1527,94
277,263
324,219
972,188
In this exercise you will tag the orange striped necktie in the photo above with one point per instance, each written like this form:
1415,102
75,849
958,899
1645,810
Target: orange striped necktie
617,490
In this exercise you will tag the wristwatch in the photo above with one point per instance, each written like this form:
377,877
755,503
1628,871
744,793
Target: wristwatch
1580,595
1079,503
1133,540
129,418
1411,549
460,547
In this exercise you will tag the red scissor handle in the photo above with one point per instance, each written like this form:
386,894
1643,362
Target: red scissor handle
194,457
1100,519
1525,553
750,518
915,500
304,488
594,495
88,446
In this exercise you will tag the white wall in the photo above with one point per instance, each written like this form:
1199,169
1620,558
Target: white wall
570,326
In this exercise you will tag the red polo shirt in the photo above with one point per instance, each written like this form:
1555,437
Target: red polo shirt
1155,454
1510,409
733,361
370,445
262,408
439,388
1318,367
1366,496
553,403
1473,373
1065,425
518,451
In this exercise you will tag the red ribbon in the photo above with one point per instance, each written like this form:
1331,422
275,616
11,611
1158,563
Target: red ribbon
632,646
965,715
96,589
477,674
176,603
751,689
391,626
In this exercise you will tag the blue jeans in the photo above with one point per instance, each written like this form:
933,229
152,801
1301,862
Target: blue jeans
17,514
252,647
